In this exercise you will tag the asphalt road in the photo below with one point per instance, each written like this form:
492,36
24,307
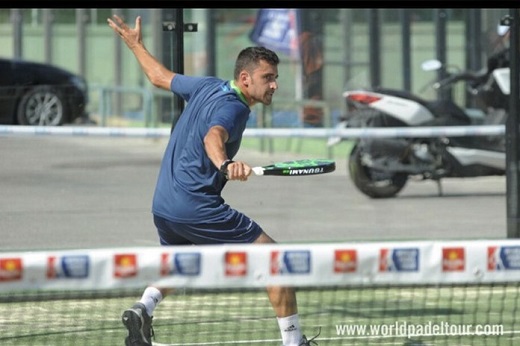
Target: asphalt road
94,192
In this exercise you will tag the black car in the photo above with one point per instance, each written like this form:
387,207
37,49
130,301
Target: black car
40,94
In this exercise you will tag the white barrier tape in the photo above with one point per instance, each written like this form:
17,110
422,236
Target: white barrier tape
84,131
394,132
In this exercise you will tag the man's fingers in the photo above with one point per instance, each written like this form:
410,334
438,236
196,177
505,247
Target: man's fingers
118,19
138,23
239,171
118,23
120,27
113,24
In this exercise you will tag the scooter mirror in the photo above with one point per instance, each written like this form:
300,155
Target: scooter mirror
431,65
502,30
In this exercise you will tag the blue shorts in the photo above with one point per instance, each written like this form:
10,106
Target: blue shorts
239,229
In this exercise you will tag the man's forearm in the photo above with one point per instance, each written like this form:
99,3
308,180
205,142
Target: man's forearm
154,70
214,145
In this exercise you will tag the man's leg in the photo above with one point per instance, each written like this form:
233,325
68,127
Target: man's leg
283,300
138,318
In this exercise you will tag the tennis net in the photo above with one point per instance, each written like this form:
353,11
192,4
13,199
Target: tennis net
377,293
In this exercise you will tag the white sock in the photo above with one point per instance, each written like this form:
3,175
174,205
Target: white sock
151,298
290,329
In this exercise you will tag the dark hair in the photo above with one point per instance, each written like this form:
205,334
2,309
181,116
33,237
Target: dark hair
250,57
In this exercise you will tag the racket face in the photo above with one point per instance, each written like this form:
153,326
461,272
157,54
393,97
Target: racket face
300,167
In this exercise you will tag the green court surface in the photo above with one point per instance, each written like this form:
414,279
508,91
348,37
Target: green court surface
412,315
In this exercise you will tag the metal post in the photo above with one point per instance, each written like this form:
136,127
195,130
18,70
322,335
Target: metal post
81,20
176,25
440,48
118,68
406,49
473,47
346,29
47,28
512,129
17,21
473,39
375,47
178,61
211,38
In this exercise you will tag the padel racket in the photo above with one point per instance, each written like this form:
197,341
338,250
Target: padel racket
297,168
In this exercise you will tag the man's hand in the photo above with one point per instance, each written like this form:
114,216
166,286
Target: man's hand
238,170
156,72
132,37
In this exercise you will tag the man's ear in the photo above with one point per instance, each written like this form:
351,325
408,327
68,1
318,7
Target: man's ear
245,78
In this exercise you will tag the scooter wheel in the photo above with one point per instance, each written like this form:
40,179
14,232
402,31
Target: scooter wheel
374,183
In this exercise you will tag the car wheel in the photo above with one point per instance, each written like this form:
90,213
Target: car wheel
41,106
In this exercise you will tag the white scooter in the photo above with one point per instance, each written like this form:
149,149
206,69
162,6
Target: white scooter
380,167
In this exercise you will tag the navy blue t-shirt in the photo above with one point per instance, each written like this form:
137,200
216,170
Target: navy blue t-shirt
189,185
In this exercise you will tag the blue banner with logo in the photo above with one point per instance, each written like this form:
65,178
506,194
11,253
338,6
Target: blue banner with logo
277,29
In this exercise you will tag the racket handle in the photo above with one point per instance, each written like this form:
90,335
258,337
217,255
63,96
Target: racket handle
258,170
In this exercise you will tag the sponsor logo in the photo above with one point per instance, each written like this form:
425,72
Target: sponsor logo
187,264
125,265
71,267
503,258
301,171
291,328
453,259
11,269
290,262
235,263
399,260
345,261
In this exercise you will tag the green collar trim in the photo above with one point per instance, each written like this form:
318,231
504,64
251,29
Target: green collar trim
238,91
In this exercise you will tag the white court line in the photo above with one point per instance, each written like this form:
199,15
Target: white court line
346,338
